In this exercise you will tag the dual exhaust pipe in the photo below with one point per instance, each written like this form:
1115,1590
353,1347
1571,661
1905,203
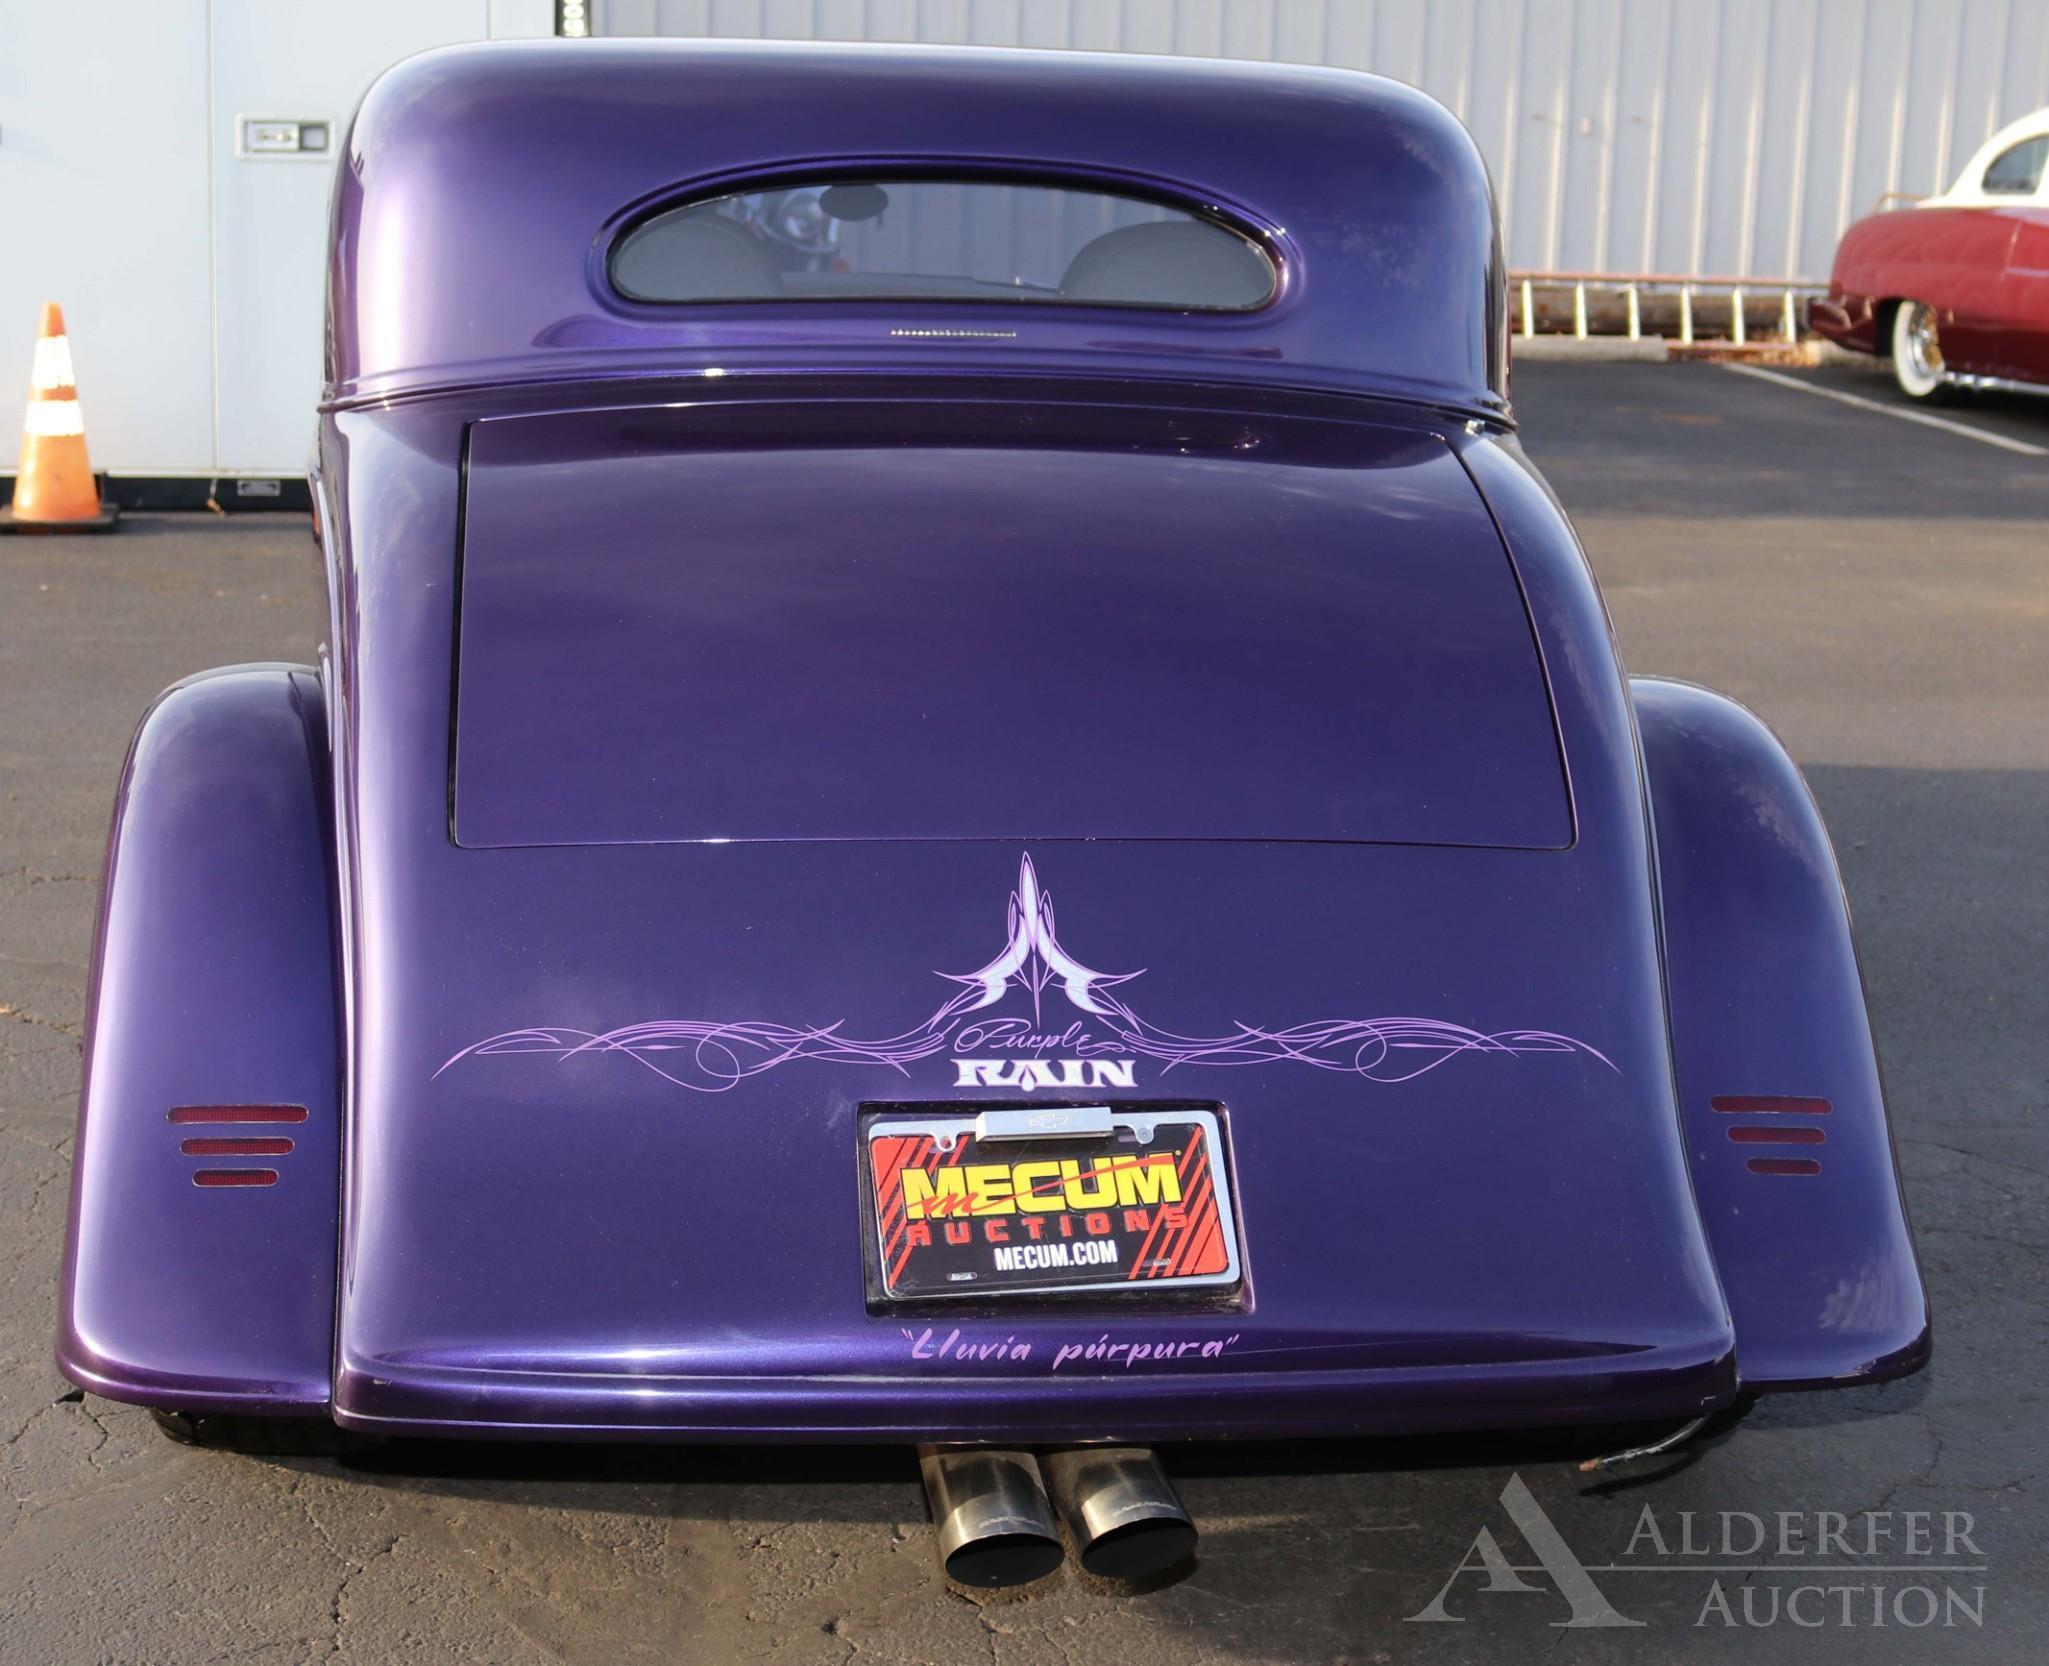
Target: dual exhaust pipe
995,1510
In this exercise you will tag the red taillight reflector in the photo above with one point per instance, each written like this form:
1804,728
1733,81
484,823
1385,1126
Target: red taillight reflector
1768,1104
1751,1134
235,1177
238,1113
1784,1165
273,1145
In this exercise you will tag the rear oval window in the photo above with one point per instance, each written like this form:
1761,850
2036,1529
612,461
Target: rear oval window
941,240
2017,172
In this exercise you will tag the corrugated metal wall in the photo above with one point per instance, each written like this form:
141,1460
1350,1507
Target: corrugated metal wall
1699,136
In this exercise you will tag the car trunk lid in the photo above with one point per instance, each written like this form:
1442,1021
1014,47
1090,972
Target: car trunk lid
926,620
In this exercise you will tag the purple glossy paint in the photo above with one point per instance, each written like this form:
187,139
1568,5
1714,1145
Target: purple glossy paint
731,659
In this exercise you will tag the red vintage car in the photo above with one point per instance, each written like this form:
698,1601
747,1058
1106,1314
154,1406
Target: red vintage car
1955,288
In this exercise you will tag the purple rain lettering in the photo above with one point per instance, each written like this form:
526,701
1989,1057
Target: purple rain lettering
709,1057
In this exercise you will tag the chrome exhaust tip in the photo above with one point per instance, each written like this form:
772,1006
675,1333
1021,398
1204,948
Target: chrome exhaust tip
995,1526
1126,1519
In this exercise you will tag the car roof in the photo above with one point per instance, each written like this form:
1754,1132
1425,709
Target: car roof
1967,186
482,187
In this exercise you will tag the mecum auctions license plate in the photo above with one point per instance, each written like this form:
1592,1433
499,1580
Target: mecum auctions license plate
1053,1199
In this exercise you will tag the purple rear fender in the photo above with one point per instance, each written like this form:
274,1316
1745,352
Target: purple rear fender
199,1271
1779,1094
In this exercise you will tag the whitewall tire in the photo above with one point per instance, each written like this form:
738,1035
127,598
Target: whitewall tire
1917,363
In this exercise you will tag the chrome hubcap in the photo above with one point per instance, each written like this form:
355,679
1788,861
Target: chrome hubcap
1924,347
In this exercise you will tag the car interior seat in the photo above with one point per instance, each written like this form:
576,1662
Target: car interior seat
1180,263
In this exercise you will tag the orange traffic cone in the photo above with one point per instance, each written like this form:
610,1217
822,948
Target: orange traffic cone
54,492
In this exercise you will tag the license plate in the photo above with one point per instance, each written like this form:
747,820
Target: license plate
1055,1199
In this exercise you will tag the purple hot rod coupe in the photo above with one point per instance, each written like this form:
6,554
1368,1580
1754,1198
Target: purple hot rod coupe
966,794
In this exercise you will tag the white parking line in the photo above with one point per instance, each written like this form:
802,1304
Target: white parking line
1925,418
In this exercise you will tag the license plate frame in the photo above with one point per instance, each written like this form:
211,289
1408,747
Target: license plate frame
1166,1261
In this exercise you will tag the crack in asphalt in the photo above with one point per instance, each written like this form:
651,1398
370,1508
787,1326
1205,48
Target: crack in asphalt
85,1410
29,1422
1999,1240
21,870
2004,1163
335,1605
21,1015
56,1148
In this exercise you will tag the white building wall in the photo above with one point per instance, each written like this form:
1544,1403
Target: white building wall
1728,137
190,273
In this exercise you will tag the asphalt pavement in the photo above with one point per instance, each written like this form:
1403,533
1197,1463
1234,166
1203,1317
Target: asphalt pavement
1877,586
